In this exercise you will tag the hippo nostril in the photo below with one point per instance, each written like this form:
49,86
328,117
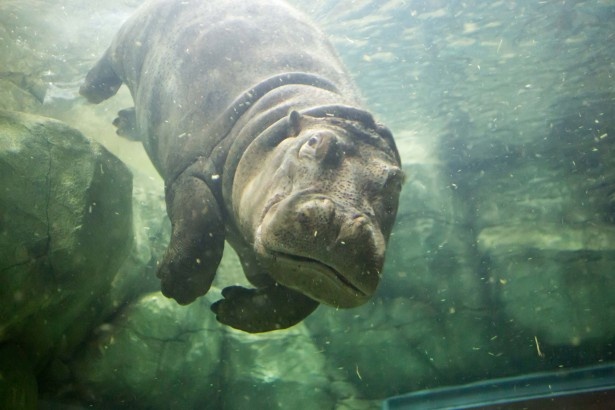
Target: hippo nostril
328,208
368,214
360,221
318,211
362,235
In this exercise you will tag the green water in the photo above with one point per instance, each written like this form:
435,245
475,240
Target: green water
502,261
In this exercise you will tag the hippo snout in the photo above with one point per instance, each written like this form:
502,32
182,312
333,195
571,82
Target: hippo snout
322,249
317,212
361,230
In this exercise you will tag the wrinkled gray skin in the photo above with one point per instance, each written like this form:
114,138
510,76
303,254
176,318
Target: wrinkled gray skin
257,130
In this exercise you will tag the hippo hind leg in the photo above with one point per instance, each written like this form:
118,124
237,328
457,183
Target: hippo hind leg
101,82
126,124
261,310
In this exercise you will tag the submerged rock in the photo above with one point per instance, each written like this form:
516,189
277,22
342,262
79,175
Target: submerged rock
286,370
395,346
14,97
155,354
65,228
152,229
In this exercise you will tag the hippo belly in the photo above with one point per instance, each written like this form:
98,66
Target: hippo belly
252,121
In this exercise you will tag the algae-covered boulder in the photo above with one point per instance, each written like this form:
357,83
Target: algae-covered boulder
389,347
65,228
20,92
152,229
155,354
286,371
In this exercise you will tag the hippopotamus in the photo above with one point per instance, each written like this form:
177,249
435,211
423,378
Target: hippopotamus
260,136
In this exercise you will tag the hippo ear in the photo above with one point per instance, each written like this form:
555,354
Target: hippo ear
295,123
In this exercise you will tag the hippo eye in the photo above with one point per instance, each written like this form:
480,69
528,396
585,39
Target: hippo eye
323,147
312,141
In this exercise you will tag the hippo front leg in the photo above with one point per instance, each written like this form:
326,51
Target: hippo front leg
197,240
263,309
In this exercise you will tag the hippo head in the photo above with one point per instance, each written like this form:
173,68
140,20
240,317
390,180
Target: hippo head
320,209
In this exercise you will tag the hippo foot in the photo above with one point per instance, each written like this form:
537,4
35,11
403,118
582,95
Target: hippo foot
126,124
262,310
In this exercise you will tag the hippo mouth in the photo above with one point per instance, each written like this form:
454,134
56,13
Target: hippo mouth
323,267
315,265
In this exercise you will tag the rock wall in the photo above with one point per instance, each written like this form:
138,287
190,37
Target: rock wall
65,229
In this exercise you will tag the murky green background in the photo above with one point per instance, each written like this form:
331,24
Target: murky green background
502,261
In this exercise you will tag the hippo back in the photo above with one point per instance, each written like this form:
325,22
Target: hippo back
185,64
